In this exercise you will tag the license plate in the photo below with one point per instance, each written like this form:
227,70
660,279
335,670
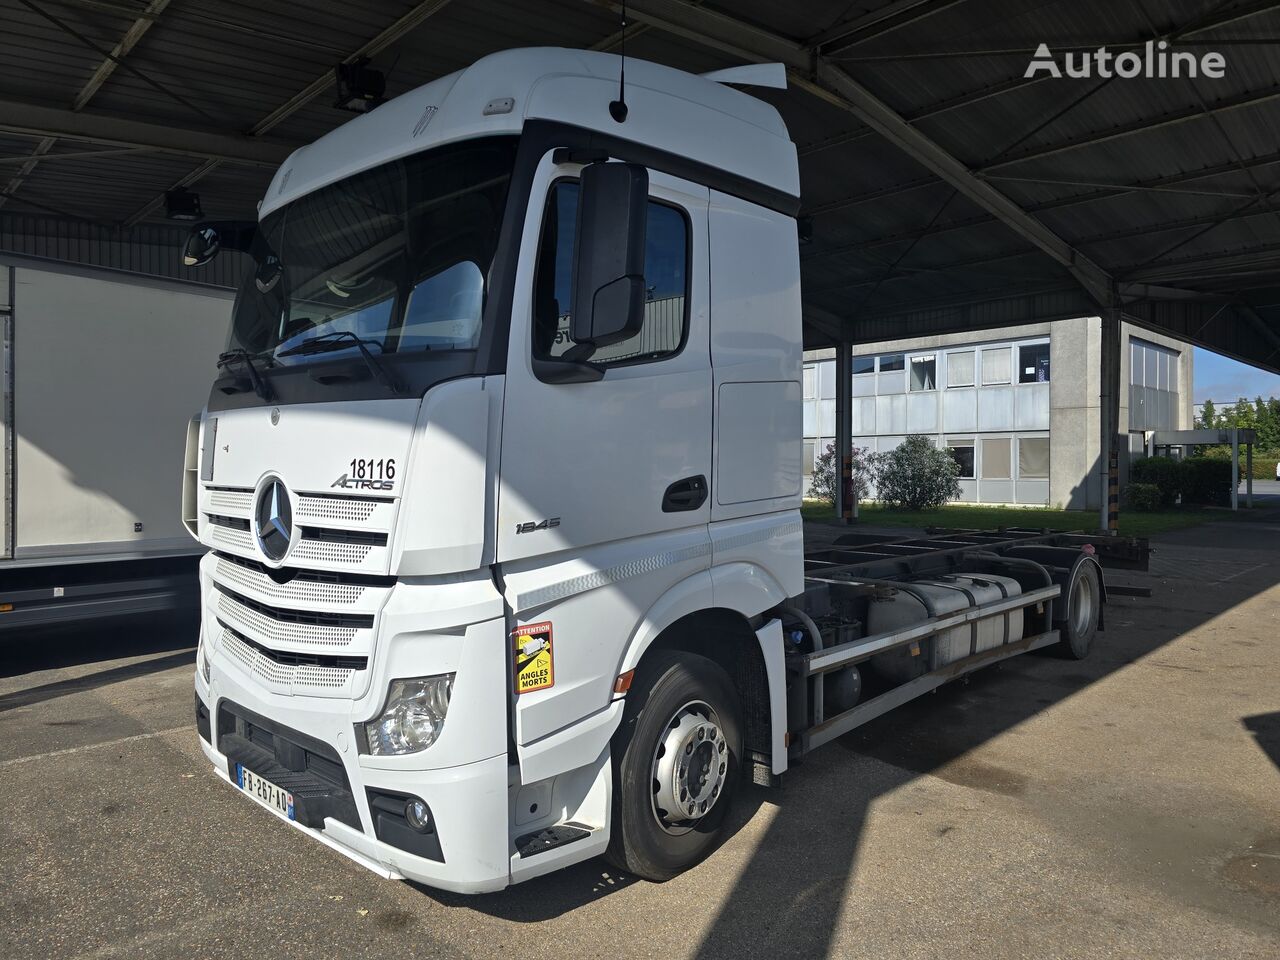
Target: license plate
264,791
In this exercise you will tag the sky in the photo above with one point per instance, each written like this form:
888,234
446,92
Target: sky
1220,379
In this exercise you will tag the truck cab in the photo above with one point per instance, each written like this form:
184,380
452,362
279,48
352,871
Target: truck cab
500,477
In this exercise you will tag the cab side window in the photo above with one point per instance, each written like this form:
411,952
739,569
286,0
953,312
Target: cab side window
666,276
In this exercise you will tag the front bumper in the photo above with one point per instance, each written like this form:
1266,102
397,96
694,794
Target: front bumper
490,828
468,803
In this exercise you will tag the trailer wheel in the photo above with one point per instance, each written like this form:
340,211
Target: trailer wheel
1083,596
676,762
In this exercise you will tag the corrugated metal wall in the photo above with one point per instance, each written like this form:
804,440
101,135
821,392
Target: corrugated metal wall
152,250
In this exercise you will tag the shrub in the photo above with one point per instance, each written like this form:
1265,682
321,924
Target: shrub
917,475
1164,473
822,485
1264,461
1206,480
1143,497
1196,480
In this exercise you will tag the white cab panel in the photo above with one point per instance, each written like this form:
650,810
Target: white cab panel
595,599
755,430
599,456
312,445
755,339
443,526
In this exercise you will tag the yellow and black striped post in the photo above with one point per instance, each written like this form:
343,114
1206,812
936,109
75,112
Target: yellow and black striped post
1113,488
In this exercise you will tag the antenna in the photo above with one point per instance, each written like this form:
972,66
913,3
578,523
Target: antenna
618,108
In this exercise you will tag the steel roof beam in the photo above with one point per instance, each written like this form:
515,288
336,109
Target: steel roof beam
108,65
888,18
1251,99
137,30
384,39
410,21
817,76
838,88
1105,191
35,120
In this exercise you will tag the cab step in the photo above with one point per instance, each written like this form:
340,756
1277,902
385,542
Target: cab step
540,841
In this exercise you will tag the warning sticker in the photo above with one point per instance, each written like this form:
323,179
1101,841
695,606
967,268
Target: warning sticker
535,662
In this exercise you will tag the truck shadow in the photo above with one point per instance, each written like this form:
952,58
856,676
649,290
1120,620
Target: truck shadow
803,840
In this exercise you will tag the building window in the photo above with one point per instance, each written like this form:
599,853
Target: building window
1033,363
810,383
962,453
1033,458
806,464
996,460
924,373
995,365
666,258
891,362
960,369
864,364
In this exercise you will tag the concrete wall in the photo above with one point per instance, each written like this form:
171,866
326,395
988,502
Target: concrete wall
1075,480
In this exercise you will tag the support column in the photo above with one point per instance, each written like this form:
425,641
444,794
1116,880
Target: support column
1248,474
1109,432
846,500
1235,469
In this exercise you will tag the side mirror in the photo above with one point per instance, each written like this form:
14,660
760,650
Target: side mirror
206,240
608,255
202,246
268,273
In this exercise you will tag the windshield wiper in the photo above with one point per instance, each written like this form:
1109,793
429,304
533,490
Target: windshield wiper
340,339
240,355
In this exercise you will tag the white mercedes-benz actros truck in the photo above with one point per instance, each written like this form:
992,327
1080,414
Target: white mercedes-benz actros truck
500,484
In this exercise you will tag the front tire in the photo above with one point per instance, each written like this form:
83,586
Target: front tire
676,765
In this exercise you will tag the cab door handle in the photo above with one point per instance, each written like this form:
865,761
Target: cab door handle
687,494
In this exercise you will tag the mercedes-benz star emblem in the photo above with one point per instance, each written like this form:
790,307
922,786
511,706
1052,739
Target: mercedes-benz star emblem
274,520
275,416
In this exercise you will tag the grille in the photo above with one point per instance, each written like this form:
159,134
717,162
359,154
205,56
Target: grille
236,501
230,538
277,632
231,523
335,508
299,589
325,551
279,674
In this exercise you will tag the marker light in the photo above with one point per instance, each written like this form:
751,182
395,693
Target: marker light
413,717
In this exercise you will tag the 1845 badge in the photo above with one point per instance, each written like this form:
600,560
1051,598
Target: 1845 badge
534,659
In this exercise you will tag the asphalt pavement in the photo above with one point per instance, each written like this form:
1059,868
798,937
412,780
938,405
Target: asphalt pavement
1124,806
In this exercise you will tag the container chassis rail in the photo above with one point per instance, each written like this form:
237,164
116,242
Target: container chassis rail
859,568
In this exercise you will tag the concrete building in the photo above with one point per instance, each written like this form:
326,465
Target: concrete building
1018,406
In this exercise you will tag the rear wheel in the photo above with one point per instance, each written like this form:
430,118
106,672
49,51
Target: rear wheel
676,764
1083,597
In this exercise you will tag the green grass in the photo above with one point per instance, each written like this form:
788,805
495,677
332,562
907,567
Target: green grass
989,517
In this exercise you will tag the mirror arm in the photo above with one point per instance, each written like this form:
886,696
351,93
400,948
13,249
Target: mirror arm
566,371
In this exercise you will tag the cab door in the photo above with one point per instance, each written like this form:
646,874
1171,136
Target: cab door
603,499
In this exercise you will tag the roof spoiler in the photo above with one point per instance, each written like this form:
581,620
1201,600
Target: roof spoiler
752,75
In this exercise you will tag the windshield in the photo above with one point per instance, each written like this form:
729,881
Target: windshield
398,256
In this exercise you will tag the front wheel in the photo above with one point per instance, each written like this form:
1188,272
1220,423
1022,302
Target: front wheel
676,763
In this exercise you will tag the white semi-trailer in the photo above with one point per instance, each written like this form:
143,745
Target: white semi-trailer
101,371
500,483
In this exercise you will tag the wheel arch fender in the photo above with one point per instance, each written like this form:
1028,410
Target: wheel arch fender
728,630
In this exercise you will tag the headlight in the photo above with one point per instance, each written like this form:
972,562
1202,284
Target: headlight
413,717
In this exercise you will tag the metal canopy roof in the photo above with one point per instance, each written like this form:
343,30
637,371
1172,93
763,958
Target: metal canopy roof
946,190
